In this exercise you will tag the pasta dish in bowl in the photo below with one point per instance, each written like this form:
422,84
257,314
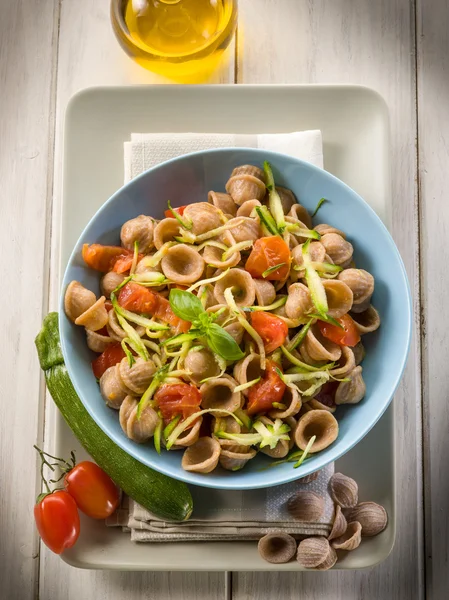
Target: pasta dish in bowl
222,316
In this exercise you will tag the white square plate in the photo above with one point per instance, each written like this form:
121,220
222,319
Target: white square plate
354,125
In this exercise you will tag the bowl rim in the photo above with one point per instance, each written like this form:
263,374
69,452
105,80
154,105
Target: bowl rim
287,477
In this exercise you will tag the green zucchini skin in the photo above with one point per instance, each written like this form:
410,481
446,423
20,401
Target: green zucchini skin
165,497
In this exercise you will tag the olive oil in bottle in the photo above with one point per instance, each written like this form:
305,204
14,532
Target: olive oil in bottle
177,38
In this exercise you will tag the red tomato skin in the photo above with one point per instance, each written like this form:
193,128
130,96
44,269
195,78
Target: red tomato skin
138,299
103,258
177,399
179,210
94,492
271,329
110,357
124,263
57,521
269,389
349,336
268,252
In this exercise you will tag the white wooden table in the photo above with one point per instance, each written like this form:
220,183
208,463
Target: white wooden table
49,50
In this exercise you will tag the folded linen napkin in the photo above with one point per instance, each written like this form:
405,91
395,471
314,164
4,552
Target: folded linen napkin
224,514
230,514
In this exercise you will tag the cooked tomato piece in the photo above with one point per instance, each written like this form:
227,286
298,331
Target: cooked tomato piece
103,331
271,329
163,311
110,357
108,305
137,298
92,489
348,336
268,252
269,389
179,210
103,258
177,399
124,263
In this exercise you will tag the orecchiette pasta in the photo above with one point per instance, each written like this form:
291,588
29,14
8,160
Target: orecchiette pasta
138,230
246,183
230,328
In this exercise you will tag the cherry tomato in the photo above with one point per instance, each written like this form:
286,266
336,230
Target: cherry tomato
326,395
269,389
268,252
348,336
179,210
139,299
103,258
110,357
177,399
93,490
57,521
271,329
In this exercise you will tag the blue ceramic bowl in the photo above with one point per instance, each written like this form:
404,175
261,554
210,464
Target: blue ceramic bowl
188,179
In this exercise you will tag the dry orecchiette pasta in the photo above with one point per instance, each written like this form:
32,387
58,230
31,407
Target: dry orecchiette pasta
226,335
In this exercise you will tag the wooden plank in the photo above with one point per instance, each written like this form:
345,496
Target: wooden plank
99,60
370,43
27,50
433,99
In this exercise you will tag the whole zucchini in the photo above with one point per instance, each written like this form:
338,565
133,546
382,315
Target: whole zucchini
165,497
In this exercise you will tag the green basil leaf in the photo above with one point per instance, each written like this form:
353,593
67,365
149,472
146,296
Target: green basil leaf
185,305
222,343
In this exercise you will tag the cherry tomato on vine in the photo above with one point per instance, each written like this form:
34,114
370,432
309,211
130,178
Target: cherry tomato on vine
57,520
94,492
